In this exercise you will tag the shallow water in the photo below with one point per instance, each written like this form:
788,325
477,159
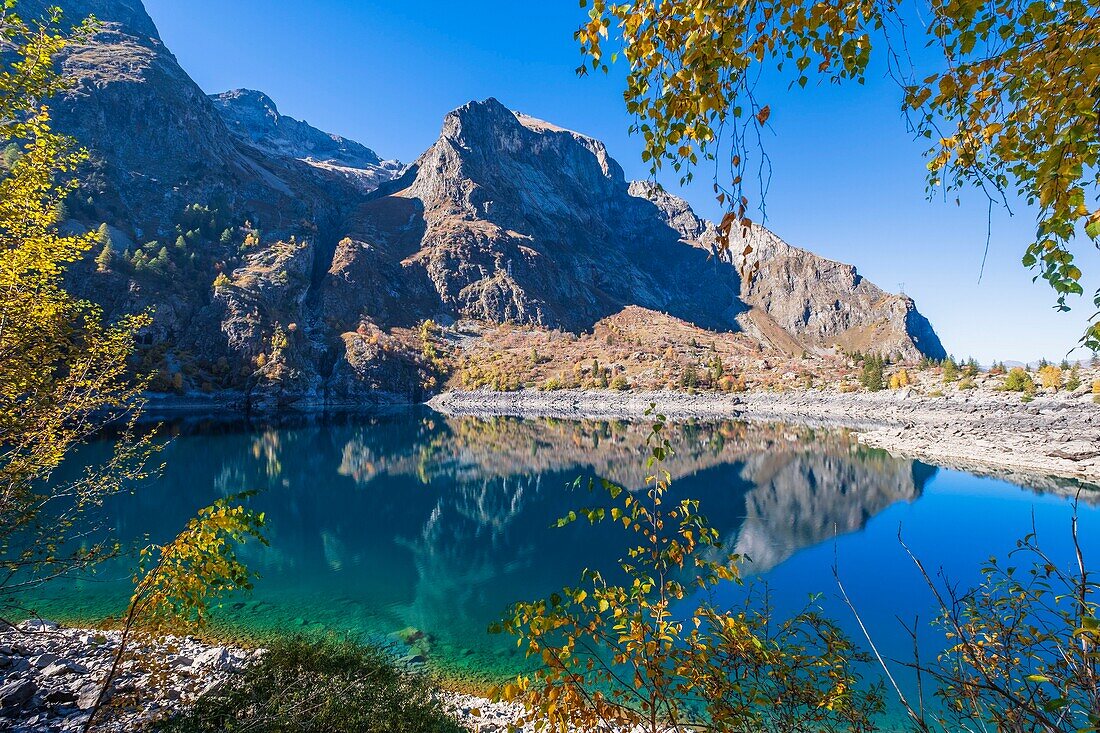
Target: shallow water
412,519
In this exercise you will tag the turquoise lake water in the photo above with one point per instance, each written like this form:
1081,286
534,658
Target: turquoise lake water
380,523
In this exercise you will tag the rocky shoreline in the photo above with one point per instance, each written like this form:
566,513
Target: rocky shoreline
50,677
1053,440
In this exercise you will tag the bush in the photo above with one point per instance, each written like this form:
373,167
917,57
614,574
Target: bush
306,686
900,379
1050,377
730,383
552,384
615,658
620,383
1096,387
1019,380
968,383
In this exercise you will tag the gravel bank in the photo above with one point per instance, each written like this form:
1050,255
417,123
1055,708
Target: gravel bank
981,431
50,677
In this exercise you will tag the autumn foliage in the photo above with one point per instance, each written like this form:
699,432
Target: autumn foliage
639,650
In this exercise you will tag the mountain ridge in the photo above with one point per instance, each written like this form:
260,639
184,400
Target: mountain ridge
295,266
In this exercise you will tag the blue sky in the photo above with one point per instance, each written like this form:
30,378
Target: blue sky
848,179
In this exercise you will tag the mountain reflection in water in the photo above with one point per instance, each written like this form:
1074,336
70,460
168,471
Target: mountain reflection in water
414,519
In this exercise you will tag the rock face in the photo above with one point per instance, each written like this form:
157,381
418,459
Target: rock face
817,302
292,266
253,117
158,143
515,219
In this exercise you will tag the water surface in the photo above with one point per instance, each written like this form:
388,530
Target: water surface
382,523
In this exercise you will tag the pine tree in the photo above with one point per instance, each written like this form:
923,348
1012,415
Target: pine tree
105,258
872,377
950,370
1074,381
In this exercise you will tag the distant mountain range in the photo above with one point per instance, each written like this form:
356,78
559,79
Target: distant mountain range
288,264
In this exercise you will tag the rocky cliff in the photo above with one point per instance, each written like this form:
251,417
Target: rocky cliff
158,143
294,267
819,302
254,118
513,219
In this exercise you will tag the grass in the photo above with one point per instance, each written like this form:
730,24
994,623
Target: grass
318,686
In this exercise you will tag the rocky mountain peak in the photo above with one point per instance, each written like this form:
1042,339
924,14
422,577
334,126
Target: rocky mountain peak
249,102
251,224
514,168
793,292
254,118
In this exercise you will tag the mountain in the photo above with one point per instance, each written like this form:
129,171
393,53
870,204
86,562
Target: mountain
158,143
294,267
253,117
819,302
512,219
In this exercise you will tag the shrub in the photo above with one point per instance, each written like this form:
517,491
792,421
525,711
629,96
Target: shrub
620,383
1018,380
317,685
936,393
1096,387
900,379
968,383
615,657
1050,377
730,383
552,384
222,280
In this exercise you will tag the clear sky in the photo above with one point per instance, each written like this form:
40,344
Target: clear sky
848,179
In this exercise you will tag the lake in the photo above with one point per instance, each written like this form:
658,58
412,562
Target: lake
414,520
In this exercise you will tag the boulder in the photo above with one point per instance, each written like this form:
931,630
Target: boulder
17,693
